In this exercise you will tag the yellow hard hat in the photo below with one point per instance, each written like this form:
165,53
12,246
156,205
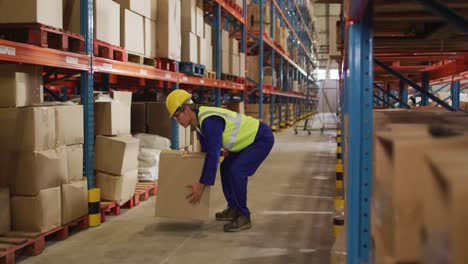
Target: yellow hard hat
175,100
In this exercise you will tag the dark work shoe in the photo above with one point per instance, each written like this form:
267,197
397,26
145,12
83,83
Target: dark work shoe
240,223
228,214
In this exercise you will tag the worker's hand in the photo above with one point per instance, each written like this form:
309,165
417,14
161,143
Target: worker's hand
196,194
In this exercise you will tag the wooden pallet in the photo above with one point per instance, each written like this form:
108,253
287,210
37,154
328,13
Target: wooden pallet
143,191
108,51
166,64
32,243
43,36
211,75
227,77
238,79
140,59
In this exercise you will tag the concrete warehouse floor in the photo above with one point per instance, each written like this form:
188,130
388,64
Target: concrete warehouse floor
291,199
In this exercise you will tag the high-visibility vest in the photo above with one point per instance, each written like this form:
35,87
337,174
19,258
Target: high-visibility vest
239,131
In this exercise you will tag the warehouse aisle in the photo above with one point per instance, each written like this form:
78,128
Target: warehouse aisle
291,198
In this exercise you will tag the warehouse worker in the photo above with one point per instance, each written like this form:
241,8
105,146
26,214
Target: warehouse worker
247,140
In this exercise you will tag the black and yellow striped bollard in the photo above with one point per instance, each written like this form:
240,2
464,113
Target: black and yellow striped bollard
94,206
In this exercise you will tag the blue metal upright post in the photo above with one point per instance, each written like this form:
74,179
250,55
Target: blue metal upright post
359,83
455,95
86,80
425,86
174,124
217,26
260,60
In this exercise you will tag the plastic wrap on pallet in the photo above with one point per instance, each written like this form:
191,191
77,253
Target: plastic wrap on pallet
153,141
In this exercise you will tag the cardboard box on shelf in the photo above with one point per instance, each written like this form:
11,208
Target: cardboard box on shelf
399,166
16,12
113,117
209,56
150,38
21,85
74,162
39,213
137,6
233,46
28,128
444,208
190,47
74,200
208,34
188,16
106,18
236,107
242,64
117,188
253,13
138,117
201,50
159,123
225,41
151,9
225,62
5,216
69,124
116,155
172,183
235,65
200,22
169,29
28,172
132,36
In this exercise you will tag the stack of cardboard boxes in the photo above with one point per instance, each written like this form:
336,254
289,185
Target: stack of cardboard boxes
116,151
12,12
152,118
252,64
411,224
38,161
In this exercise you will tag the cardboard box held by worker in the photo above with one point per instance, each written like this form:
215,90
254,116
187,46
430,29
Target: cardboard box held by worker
176,171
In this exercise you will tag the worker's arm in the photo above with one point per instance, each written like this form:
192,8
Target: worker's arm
213,128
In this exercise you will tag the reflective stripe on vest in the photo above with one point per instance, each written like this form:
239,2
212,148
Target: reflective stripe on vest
239,131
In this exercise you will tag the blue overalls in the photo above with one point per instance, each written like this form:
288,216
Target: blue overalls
237,166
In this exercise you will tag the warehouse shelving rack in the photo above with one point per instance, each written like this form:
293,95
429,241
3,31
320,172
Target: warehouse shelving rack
361,70
298,21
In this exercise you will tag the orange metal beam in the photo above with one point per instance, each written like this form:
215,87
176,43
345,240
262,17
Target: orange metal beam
231,10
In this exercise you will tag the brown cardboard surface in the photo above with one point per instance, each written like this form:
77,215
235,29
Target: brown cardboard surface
234,46
150,38
225,62
188,17
28,128
37,11
69,125
169,28
399,166
175,173
151,9
225,41
74,200
208,34
116,155
138,117
237,107
137,6
201,50
113,118
241,64
189,47
132,31
200,22
74,162
235,65
209,56
5,216
39,213
21,85
106,19
445,213
28,172
117,188
159,123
